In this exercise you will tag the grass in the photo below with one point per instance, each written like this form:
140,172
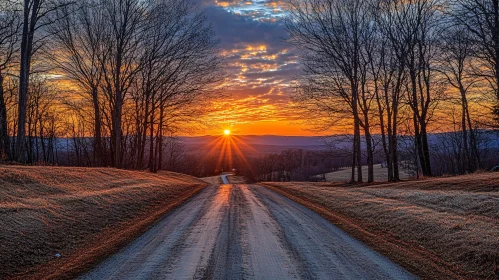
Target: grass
83,214
380,174
234,179
443,228
217,180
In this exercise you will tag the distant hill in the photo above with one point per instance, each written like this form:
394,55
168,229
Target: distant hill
266,144
254,144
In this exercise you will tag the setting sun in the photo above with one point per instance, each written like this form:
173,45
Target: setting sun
227,132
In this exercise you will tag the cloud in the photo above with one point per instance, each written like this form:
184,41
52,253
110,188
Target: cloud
261,64
235,28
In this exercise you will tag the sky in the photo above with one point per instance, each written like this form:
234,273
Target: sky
261,66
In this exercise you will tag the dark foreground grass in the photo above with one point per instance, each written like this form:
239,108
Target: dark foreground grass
81,214
445,228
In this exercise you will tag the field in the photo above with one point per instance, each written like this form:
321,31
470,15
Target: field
380,174
57,221
444,228
215,180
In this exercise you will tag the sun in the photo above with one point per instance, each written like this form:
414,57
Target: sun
227,132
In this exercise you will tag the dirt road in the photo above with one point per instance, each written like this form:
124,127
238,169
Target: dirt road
225,180
245,232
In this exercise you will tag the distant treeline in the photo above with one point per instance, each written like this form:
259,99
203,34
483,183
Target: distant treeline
303,165
282,165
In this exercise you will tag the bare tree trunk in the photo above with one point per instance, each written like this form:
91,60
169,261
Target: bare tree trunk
426,149
354,158
4,134
160,138
384,142
117,111
368,137
394,146
99,159
358,149
144,132
370,157
464,132
151,143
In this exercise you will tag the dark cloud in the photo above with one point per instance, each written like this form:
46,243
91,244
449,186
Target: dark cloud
236,29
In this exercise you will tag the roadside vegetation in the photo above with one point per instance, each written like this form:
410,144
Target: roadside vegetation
445,228
214,180
57,221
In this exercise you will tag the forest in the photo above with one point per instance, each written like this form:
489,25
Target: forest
399,68
106,81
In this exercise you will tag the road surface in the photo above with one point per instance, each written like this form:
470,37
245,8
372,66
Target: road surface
245,232
225,180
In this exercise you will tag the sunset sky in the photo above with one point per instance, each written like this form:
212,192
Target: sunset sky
261,67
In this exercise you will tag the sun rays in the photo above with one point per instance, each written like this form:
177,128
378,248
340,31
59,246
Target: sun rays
228,150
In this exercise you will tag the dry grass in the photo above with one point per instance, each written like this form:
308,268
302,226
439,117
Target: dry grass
445,228
233,179
83,214
215,180
380,174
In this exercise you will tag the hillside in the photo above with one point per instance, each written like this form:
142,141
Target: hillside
441,228
60,219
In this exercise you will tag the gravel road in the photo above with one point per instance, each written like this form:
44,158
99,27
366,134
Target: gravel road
225,180
245,232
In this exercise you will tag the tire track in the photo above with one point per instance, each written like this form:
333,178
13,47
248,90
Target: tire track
322,249
245,232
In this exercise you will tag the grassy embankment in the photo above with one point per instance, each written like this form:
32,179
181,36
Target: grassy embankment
442,228
380,174
82,214
217,180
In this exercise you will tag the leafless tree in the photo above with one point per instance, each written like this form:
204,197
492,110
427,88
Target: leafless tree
422,29
143,67
181,68
332,37
9,34
373,57
41,114
458,66
388,67
78,43
480,19
125,23
36,15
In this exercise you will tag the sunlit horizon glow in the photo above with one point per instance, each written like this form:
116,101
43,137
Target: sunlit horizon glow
227,152
261,67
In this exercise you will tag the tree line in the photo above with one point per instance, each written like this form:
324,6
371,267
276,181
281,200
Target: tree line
291,165
398,68
114,78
